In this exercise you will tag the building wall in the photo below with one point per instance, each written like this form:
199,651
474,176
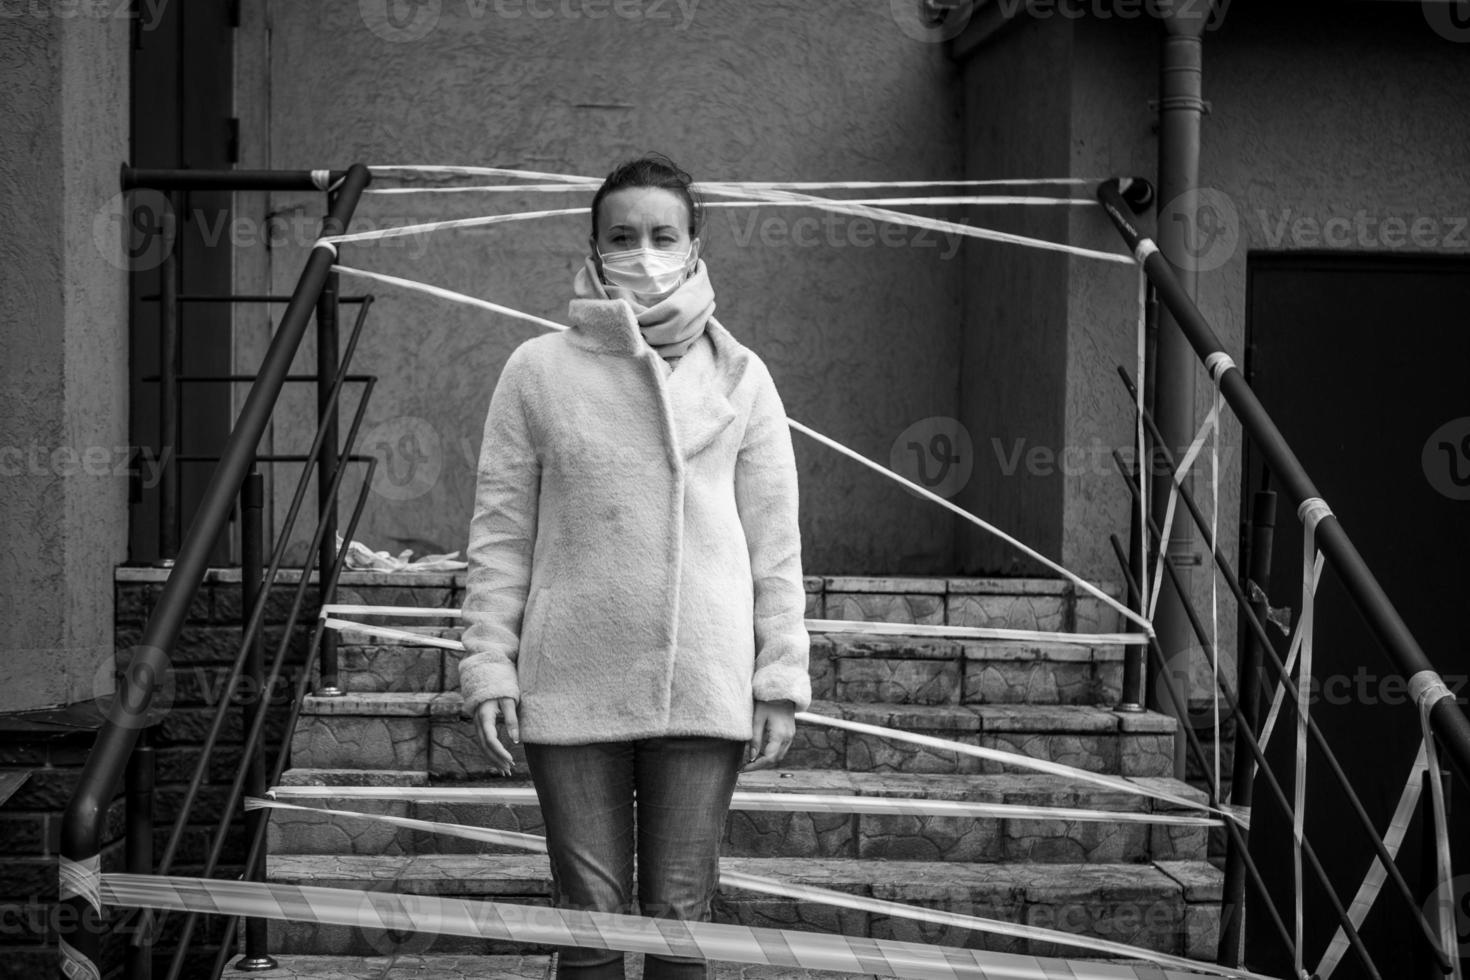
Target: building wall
63,350
1311,117
861,329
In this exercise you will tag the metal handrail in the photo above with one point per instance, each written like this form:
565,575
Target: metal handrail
81,927
1448,721
1258,631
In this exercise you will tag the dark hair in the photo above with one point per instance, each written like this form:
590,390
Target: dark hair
652,170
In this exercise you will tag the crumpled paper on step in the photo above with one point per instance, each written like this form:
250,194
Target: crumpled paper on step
362,558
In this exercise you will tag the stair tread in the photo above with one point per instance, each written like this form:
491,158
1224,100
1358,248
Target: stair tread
1026,718
528,874
1013,788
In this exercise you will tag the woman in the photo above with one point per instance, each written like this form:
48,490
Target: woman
634,598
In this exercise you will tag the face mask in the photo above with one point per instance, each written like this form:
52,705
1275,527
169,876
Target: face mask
647,272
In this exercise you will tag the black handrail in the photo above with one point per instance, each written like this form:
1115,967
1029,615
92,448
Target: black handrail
1448,720
1245,720
81,924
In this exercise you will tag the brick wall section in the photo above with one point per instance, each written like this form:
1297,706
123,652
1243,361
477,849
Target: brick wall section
30,829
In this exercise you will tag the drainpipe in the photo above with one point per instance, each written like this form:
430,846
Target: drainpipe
1181,107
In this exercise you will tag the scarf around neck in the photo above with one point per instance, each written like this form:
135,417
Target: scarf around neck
670,326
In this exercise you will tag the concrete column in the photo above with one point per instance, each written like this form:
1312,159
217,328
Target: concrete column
63,348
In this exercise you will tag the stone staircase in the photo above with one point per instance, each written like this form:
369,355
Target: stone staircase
1148,885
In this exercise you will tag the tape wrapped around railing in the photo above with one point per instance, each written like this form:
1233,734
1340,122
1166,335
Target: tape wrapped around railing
445,915
758,802
771,886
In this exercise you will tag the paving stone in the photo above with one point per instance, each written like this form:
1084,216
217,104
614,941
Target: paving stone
1024,612
884,607
917,584
903,681
389,668
341,740
1009,586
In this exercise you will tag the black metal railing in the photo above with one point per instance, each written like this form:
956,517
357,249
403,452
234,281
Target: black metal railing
124,743
1250,770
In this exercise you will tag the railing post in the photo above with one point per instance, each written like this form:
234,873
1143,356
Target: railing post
326,371
170,363
1134,657
257,699
1248,685
138,809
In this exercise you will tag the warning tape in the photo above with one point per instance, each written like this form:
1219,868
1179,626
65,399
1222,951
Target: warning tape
1239,815
607,930
747,801
771,886
331,610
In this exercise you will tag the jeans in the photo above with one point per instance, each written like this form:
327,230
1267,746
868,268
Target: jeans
671,795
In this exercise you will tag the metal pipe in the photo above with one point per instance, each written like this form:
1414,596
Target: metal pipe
252,498
1134,694
1248,686
1181,108
230,180
170,366
1404,652
81,925
257,839
326,368
139,849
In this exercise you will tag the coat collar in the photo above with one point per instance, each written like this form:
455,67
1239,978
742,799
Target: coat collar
694,394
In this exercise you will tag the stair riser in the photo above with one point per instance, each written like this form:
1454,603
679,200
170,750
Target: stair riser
448,747
955,675
1161,923
765,834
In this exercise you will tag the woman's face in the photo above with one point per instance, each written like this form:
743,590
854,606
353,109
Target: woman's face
642,217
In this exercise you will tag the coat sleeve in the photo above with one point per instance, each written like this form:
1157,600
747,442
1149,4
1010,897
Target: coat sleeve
767,499
501,543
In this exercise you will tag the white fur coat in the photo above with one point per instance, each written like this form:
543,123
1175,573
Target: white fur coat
634,556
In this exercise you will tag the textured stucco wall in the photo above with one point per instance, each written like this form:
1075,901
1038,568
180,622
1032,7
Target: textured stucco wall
1310,117
63,353
862,331
1017,121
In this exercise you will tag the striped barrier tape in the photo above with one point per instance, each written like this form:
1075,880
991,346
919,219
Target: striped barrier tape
770,886
330,610
757,802
789,949
1239,815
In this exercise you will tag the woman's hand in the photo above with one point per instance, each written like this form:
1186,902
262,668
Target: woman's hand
485,717
775,726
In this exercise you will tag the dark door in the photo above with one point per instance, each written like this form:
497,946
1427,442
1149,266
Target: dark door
181,106
1363,363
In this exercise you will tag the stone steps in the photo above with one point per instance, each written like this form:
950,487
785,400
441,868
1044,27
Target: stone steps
1166,906
751,833
851,667
425,730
